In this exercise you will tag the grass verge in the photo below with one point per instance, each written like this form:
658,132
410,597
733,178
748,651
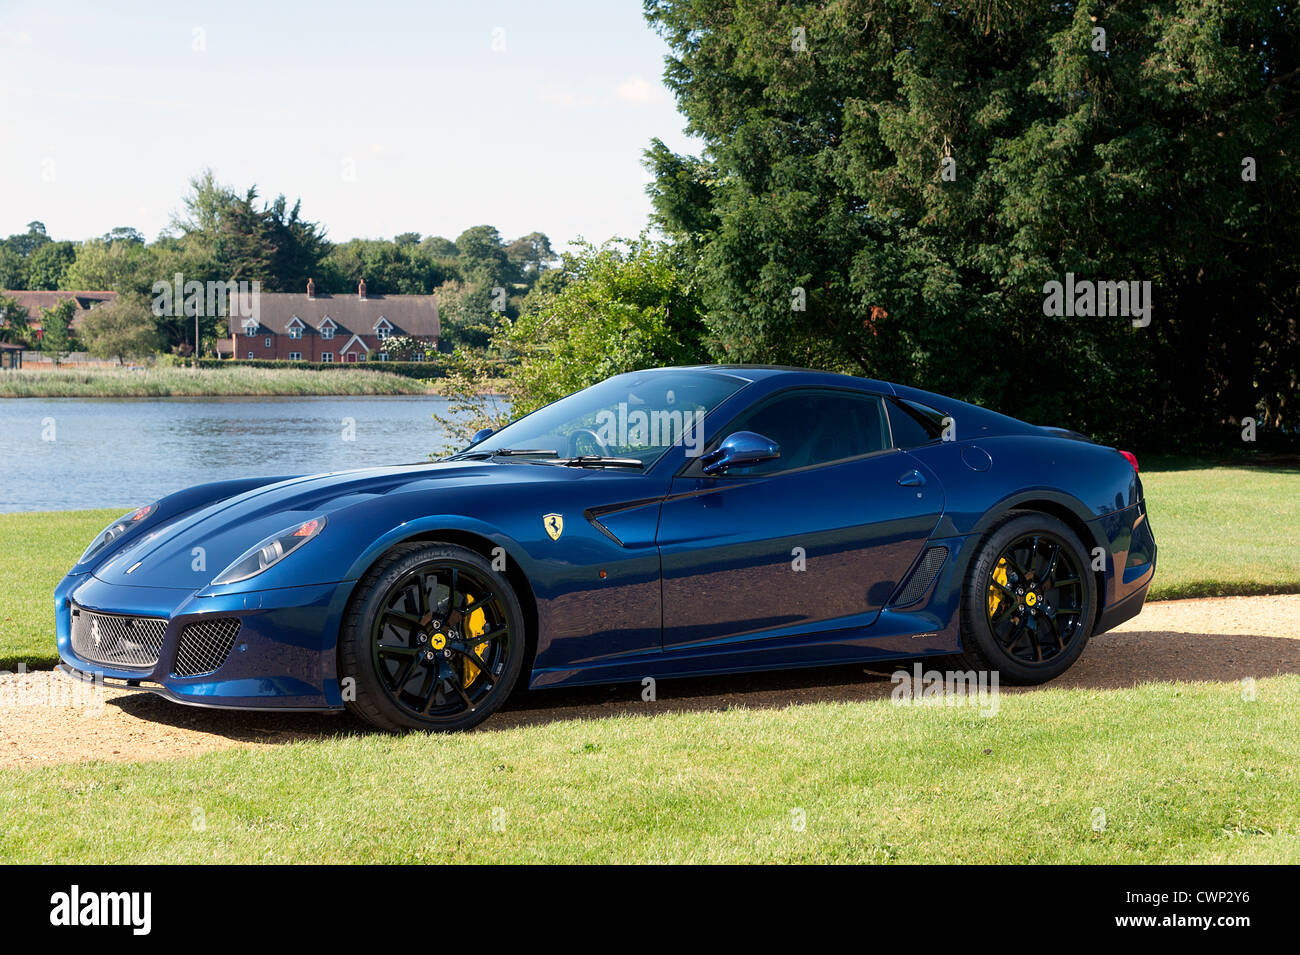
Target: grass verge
188,382
1157,774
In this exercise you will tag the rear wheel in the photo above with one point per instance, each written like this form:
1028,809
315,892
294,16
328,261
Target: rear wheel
434,639
1029,600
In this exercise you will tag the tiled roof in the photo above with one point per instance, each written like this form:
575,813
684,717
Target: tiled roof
35,301
415,315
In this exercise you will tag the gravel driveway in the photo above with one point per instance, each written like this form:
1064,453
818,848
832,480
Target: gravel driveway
1223,638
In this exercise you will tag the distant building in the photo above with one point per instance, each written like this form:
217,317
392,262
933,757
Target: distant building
11,356
332,328
35,301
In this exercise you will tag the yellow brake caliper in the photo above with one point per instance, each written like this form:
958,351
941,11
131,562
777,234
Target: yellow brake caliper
996,596
475,625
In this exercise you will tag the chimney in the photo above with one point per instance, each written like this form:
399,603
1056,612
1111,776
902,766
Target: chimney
361,290
311,289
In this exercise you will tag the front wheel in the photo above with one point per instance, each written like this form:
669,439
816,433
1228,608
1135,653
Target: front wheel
1029,600
433,638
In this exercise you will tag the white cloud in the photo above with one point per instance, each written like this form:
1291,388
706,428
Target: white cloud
15,38
638,90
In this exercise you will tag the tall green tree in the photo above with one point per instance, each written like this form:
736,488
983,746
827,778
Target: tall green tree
482,255
121,329
242,239
56,329
15,322
48,265
887,186
118,264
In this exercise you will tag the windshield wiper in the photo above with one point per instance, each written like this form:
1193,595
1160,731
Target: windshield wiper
598,461
503,453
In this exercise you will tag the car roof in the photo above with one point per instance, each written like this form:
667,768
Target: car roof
983,420
761,372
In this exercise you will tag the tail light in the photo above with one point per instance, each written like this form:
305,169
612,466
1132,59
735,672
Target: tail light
1132,459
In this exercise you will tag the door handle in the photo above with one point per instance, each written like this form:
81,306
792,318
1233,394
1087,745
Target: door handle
912,479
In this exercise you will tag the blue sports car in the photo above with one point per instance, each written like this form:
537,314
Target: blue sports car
663,523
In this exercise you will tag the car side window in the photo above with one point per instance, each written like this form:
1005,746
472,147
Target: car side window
815,427
913,424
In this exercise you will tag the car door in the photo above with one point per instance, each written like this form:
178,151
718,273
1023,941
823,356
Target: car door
814,541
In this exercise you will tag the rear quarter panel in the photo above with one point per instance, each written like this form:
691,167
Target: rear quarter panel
988,476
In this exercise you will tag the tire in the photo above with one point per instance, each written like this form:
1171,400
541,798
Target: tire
1010,589
434,639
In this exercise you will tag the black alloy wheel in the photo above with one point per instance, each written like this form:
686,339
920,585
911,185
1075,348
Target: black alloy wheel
1029,599
434,639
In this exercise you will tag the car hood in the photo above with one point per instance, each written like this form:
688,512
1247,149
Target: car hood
188,551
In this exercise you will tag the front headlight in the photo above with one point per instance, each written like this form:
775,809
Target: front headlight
270,551
115,530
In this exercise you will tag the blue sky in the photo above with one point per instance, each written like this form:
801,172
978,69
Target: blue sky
383,117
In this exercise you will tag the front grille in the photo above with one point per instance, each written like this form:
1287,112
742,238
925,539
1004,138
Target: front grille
131,643
205,645
922,577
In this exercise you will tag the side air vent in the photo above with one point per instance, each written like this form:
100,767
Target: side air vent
205,645
927,568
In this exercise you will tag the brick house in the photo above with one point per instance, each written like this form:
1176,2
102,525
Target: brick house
332,328
35,301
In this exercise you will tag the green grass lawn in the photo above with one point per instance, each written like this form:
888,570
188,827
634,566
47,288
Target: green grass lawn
1221,530
1181,772
36,550
1225,530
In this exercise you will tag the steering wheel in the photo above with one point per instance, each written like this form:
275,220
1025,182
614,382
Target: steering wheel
575,451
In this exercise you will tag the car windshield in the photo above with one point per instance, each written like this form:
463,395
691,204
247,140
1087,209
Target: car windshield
637,415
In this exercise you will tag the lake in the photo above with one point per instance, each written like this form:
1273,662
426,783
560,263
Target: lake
64,453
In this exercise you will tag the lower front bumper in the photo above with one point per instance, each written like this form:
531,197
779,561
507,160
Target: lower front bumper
284,657
158,689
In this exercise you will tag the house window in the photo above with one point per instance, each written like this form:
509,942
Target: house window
295,332
295,356
420,357
361,357
268,341
383,330
250,330
250,354
383,356
327,357
327,332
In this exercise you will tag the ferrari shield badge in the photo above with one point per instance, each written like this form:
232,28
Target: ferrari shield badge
554,525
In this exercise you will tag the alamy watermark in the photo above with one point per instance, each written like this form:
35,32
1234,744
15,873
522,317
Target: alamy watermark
624,428
947,688
194,299
47,688
1086,298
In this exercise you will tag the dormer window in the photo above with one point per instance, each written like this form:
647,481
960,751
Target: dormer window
295,327
250,329
326,328
383,328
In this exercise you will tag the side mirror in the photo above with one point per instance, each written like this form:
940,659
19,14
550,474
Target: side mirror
482,435
740,450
